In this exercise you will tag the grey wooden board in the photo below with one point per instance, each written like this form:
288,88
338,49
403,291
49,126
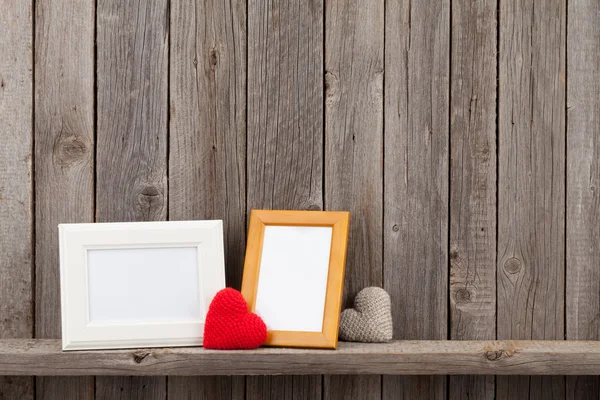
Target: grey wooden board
207,157
285,129
131,169
583,182
415,229
531,181
130,388
64,159
352,387
400,357
16,196
354,153
65,387
284,387
206,388
473,183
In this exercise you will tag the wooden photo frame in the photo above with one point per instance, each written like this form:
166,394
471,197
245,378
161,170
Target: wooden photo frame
294,275
138,284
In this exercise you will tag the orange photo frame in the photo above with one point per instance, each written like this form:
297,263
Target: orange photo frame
339,221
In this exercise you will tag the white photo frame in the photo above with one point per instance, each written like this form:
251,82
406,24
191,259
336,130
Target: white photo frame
138,284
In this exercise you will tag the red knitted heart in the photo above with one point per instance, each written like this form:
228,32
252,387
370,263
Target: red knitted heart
229,325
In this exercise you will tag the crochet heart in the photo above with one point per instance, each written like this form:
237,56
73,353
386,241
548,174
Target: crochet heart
229,325
371,318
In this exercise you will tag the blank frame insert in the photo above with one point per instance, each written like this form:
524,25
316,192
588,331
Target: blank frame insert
144,285
294,258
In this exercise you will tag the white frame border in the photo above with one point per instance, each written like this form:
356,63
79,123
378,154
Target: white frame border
76,239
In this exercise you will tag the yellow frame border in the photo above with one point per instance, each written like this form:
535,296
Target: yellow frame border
339,221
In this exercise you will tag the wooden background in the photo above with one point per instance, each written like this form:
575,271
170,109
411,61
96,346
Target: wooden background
462,135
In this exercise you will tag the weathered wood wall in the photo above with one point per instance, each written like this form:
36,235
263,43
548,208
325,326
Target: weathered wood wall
463,136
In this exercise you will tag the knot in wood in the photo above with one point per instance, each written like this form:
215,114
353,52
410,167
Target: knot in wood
395,228
313,207
462,296
214,58
500,350
331,84
69,149
150,200
150,191
512,265
140,356
494,355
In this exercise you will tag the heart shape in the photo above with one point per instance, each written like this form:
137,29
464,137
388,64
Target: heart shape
230,326
370,320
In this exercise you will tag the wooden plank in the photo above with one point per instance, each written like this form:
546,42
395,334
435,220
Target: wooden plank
354,154
207,157
284,387
531,191
285,129
132,74
206,388
401,357
64,159
16,196
130,387
415,227
473,184
583,181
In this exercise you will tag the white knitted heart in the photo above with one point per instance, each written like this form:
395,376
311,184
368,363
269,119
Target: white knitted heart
370,320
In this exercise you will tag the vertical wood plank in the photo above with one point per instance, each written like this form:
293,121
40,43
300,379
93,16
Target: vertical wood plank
354,153
583,182
131,167
531,191
207,160
285,131
130,387
473,184
64,159
416,180
283,387
16,196
206,388
207,157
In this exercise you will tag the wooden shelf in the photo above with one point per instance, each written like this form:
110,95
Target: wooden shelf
44,357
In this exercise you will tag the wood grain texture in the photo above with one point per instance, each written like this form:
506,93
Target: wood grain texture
401,357
206,388
531,182
130,388
285,104
583,182
16,191
207,157
132,111
285,129
284,387
131,169
415,229
354,153
473,184
64,159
